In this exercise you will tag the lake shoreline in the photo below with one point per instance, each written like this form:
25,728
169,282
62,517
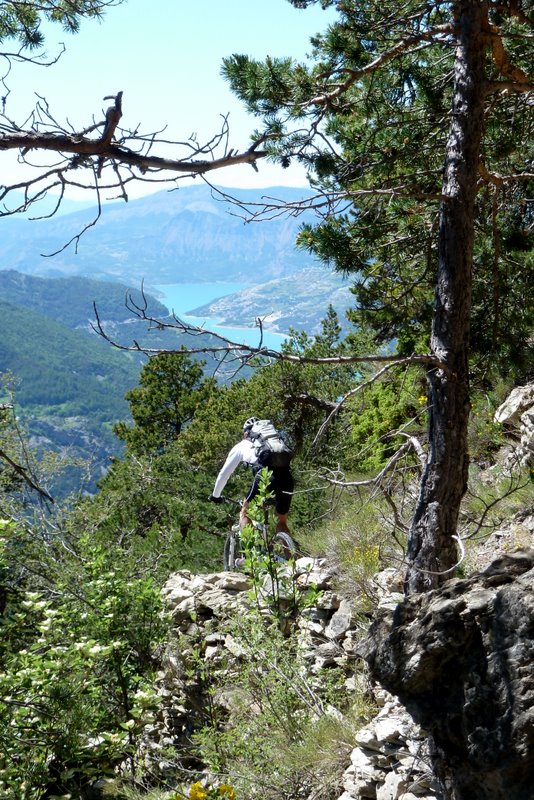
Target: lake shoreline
179,298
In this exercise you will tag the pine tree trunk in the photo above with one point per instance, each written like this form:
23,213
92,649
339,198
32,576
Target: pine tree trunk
432,550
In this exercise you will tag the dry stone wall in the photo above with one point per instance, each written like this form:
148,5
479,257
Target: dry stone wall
389,760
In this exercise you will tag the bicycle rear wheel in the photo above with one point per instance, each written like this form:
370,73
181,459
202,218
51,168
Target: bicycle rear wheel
283,546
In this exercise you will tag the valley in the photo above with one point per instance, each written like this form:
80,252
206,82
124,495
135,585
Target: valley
188,253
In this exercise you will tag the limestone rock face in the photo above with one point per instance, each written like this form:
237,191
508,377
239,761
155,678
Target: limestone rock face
451,678
517,413
460,660
391,760
521,398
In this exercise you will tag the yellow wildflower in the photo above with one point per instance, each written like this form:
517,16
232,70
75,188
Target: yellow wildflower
197,792
227,791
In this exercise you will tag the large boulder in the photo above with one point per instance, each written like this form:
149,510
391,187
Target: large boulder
460,660
517,415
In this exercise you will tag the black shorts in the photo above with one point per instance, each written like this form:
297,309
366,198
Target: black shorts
281,485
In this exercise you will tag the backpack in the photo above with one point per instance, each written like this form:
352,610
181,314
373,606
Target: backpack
271,450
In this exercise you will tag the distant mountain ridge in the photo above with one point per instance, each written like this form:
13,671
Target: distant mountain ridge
187,235
168,237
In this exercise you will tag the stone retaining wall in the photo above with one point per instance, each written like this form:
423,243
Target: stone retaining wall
389,760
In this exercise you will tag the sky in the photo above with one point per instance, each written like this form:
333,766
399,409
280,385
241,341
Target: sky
166,55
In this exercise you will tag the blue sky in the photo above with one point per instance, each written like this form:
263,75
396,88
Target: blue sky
165,55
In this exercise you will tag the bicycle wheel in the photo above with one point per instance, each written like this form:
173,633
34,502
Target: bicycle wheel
283,546
231,551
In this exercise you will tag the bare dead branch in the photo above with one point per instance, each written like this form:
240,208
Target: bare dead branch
397,361
310,400
499,180
510,86
268,207
39,60
82,146
515,484
124,155
20,470
377,479
399,522
76,238
417,447
245,352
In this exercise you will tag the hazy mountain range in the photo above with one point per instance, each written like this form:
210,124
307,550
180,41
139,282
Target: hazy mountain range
187,235
70,384
168,237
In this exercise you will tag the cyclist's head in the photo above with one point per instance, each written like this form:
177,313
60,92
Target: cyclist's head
248,424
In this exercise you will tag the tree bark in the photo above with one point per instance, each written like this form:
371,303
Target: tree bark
432,548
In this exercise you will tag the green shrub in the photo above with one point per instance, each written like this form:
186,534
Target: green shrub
379,412
77,675
361,537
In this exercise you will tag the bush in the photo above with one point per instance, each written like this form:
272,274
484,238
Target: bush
76,678
362,537
397,401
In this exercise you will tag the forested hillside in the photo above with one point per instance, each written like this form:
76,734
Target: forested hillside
57,366
70,300
68,384
68,390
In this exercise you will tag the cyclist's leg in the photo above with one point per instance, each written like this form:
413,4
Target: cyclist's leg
283,489
244,519
229,553
281,525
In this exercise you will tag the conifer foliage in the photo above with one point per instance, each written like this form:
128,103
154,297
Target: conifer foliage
415,124
22,21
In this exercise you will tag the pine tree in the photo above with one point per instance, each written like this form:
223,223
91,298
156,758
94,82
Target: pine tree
415,123
171,388
22,21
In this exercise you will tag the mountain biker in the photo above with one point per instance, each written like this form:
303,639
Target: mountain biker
281,483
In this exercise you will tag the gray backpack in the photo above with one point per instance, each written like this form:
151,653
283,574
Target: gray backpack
271,450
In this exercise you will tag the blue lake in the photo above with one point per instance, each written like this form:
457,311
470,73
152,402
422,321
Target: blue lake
183,297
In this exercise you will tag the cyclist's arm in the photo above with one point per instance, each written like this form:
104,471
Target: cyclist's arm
233,460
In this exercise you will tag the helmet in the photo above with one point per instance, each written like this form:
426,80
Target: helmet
249,423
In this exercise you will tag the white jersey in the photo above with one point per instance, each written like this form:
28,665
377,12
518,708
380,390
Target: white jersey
243,452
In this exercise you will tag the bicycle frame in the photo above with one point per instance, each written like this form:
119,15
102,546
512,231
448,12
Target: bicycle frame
232,546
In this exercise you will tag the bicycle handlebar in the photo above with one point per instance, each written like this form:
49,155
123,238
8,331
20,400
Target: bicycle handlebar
232,501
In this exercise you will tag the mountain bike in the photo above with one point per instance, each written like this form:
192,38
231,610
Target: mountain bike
280,544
